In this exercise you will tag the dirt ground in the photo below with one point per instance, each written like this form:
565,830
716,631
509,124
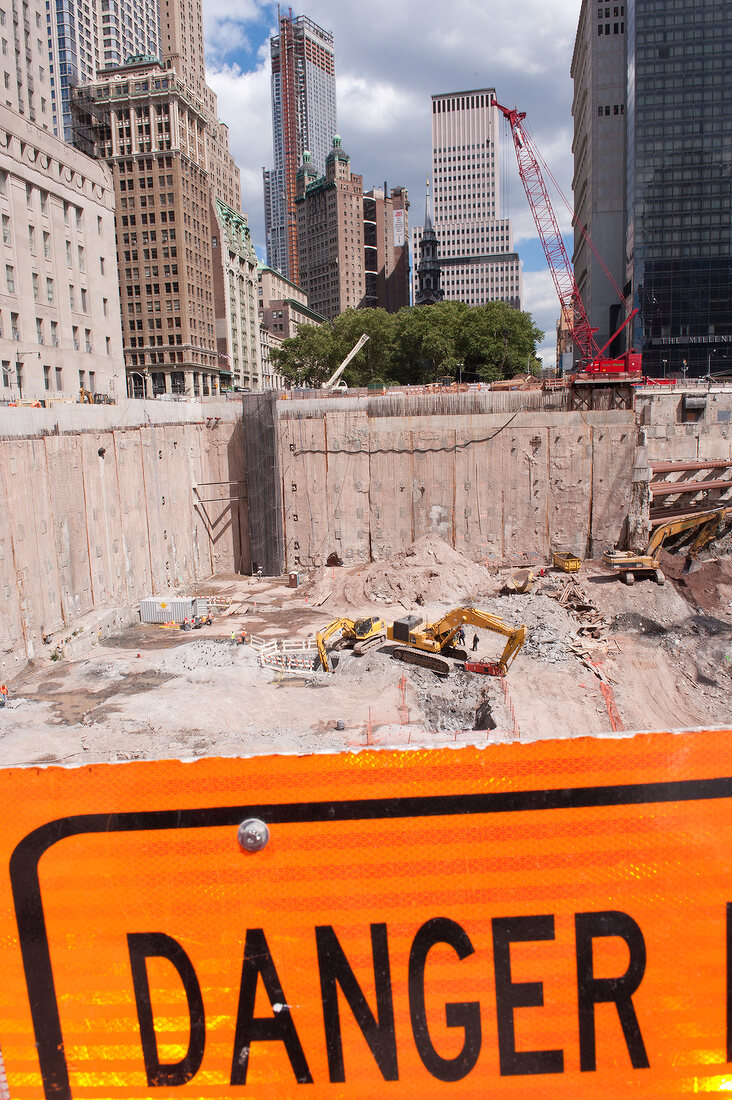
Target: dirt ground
651,658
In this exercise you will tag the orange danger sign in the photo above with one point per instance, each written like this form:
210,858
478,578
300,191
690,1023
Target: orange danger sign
552,919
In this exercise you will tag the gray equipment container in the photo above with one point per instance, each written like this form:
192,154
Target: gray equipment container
156,609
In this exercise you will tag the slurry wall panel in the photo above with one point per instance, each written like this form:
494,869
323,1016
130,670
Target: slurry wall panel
12,645
303,469
133,515
347,485
66,485
391,488
101,498
36,565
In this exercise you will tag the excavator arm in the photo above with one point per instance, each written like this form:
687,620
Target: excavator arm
446,628
323,635
707,522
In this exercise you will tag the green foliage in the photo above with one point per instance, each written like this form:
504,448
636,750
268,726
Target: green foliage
417,345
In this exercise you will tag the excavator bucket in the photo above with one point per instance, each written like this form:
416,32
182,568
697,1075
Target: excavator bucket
691,565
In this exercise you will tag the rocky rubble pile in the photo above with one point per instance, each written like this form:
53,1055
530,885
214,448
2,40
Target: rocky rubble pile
428,571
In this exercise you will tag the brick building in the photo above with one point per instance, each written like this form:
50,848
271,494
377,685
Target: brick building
142,121
346,239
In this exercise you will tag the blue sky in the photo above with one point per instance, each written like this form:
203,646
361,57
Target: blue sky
389,59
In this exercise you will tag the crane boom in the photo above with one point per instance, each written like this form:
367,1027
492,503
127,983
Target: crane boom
549,233
339,370
570,299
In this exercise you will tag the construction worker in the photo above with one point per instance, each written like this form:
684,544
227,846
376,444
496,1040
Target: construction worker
3,695
233,637
475,642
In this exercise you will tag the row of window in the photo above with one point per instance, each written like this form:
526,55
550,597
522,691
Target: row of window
14,375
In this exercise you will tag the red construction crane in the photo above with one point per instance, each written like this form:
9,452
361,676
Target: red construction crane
556,254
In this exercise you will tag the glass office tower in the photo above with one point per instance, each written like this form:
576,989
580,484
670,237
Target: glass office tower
679,183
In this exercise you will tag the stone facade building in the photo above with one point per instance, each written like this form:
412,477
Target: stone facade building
59,297
234,263
330,234
283,307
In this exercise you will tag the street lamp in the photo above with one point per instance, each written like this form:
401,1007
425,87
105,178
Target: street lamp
19,356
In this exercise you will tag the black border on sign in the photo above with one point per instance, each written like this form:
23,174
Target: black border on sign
26,887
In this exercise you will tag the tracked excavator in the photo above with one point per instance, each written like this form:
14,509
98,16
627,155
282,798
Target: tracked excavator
707,525
360,634
430,644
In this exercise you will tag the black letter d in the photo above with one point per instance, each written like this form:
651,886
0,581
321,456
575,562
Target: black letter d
143,945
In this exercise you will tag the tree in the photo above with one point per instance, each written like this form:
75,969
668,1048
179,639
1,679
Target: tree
417,344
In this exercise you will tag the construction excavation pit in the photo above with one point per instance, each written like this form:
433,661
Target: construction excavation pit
581,651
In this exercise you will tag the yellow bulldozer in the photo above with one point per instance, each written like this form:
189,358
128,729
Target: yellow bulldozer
360,634
431,644
696,531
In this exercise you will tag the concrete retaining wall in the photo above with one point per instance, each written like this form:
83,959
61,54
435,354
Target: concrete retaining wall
103,517
674,434
500,487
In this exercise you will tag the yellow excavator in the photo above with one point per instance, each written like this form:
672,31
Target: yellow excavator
430,644
360,634
629,564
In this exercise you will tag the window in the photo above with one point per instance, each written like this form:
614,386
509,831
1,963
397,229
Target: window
6,229
82,379
83,301
59,379
88,340
10,279
54,333
6,373
92,382
34,277
68,253
75,336
47,245
101,265
49,291
72,298
39,329
46,378
32,240
104,306
81,258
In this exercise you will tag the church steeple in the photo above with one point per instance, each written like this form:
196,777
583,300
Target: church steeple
429,290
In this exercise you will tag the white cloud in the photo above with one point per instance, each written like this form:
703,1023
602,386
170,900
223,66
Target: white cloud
540,300
389,59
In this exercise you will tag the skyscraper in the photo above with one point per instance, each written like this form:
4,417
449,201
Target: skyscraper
677,125
477,258
82,38
598,72
679,182
303,119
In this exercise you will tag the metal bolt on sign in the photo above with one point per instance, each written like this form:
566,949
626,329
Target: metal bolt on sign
253,835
